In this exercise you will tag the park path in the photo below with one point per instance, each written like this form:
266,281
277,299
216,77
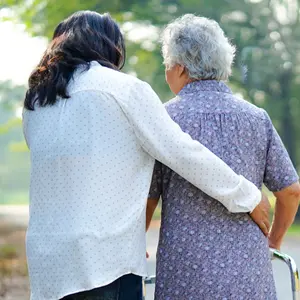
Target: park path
19,216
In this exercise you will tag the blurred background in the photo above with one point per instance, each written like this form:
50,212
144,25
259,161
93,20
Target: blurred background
266,73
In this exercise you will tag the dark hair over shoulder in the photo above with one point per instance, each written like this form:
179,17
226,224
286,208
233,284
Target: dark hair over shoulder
83,37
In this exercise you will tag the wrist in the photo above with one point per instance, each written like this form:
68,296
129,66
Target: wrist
275,243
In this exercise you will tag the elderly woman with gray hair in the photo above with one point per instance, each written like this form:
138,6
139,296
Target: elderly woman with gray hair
206,252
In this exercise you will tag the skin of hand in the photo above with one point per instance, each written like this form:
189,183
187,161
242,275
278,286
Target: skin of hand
151,206
260,215
287,204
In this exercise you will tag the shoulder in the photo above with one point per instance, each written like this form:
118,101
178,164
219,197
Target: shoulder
224,103
256,114
172,102
103,79
243,106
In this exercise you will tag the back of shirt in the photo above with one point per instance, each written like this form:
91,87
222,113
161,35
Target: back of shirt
241,134
201,243
89,182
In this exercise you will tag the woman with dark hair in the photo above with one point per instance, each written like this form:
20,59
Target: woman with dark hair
78,40
94,134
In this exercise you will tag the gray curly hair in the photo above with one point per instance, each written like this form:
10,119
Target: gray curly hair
200,45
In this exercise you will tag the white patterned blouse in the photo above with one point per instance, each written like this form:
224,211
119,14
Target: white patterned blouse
92,158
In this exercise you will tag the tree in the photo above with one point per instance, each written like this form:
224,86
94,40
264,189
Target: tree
14,160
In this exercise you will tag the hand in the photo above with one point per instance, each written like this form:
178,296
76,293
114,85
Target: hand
260,215
274,245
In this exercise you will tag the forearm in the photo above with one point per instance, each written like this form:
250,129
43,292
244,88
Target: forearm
209,173
151,206
285,210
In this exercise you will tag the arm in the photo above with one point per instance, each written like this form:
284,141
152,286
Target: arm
287,203
281,178
165,141
155,192
151,206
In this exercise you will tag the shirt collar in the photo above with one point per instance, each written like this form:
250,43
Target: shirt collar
205,85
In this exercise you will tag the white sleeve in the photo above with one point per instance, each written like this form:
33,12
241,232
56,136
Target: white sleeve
163,139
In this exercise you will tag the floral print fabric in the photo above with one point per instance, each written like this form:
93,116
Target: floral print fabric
206,252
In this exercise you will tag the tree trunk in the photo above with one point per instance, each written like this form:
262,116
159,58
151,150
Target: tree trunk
288,129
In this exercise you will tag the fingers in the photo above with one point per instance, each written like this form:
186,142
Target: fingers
261,218
260,215
264,223
265,228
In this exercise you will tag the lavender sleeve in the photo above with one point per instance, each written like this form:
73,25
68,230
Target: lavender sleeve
279,172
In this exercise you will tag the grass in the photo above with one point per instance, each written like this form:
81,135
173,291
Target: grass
13,266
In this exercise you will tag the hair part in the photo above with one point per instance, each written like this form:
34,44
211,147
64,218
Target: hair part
83,37
200,45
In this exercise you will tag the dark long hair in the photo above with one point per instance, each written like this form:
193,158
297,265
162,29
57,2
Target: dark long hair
83,37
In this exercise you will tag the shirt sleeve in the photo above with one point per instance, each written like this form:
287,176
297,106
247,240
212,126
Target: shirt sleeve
156,183
163,139
279,172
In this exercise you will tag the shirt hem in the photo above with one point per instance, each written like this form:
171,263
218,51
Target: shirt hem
91,286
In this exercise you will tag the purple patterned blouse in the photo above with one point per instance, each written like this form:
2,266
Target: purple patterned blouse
206,252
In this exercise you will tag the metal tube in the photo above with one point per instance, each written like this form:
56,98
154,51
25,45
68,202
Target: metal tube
147,280
150,280
295,283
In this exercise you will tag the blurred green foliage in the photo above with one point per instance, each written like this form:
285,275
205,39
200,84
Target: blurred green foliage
14,156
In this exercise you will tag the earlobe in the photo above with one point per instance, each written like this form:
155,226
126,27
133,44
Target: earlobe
181,70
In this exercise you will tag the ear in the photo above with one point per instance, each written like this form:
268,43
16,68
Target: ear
180,70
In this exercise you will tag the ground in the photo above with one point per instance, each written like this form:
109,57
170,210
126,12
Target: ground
14,283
